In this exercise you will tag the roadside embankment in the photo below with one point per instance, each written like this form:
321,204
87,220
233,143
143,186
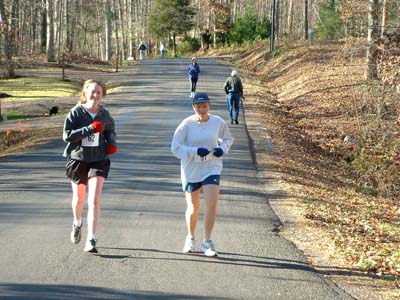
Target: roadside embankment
307,108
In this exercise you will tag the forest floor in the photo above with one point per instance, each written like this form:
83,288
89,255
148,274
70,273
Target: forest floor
300,106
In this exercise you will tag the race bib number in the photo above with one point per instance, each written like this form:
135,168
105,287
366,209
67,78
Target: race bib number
209,156
91,140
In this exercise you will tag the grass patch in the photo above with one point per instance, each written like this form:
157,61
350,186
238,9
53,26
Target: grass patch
273,54
15,115
31,88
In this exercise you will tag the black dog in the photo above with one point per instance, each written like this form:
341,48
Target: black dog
53,111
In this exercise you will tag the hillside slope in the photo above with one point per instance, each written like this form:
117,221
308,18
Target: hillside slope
308,111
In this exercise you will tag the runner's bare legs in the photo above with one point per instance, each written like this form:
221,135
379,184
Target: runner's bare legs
95,187
192,211
211,195
78,200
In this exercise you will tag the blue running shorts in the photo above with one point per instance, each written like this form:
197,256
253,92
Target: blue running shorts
190,187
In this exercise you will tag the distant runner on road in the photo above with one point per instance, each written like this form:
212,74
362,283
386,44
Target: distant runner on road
199,142
234,91
162,50
193,72
142,50
89,130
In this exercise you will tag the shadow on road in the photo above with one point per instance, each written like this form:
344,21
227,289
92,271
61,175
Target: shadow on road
17,291
236,259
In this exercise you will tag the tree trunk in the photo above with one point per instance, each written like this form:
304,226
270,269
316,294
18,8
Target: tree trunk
272,36
71,21
215,30
59,8
14,27
385,13
277,18
99,54
306,19
50,31
43,28
6,41
34,11
289,22
108,24
174,43
371,67
117,45
122,17
130,29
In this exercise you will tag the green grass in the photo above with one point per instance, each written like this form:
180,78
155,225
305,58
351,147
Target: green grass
31,88
15,115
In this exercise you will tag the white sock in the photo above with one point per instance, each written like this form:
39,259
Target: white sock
91,237
78,222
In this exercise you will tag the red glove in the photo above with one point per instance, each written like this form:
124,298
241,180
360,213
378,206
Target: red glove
97,126
111,149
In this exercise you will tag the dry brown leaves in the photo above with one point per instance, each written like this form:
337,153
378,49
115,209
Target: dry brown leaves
318,100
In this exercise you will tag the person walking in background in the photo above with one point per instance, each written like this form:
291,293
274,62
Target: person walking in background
142,50
234,90
193,72
199,142
162,50
89,131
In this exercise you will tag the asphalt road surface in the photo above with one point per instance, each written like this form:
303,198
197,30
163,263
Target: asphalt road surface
142,227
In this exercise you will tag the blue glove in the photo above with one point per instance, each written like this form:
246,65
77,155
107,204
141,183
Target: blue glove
202,152
218,152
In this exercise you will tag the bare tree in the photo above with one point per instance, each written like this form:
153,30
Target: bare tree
59,27
115,26
33,27
131,40
277,18
50,31
371,60
385,13
108,29
289,21
5,30
306,19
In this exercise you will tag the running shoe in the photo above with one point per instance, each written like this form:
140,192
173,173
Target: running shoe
189,245
90,246
76,234
207,246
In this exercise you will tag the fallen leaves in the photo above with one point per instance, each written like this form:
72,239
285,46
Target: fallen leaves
347,188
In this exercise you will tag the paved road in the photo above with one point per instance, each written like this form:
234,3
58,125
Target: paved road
142,226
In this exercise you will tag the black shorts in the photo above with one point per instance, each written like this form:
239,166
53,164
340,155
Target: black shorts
79,171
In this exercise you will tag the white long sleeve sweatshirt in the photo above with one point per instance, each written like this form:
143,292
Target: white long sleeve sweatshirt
192,134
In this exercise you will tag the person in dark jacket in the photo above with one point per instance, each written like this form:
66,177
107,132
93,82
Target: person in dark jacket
234,91
89,131
142,50
193,72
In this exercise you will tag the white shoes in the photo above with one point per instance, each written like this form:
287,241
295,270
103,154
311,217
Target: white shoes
90,246
189,245
76,234
191,94
207,246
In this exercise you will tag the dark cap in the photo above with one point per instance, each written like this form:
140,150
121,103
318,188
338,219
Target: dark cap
200,97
